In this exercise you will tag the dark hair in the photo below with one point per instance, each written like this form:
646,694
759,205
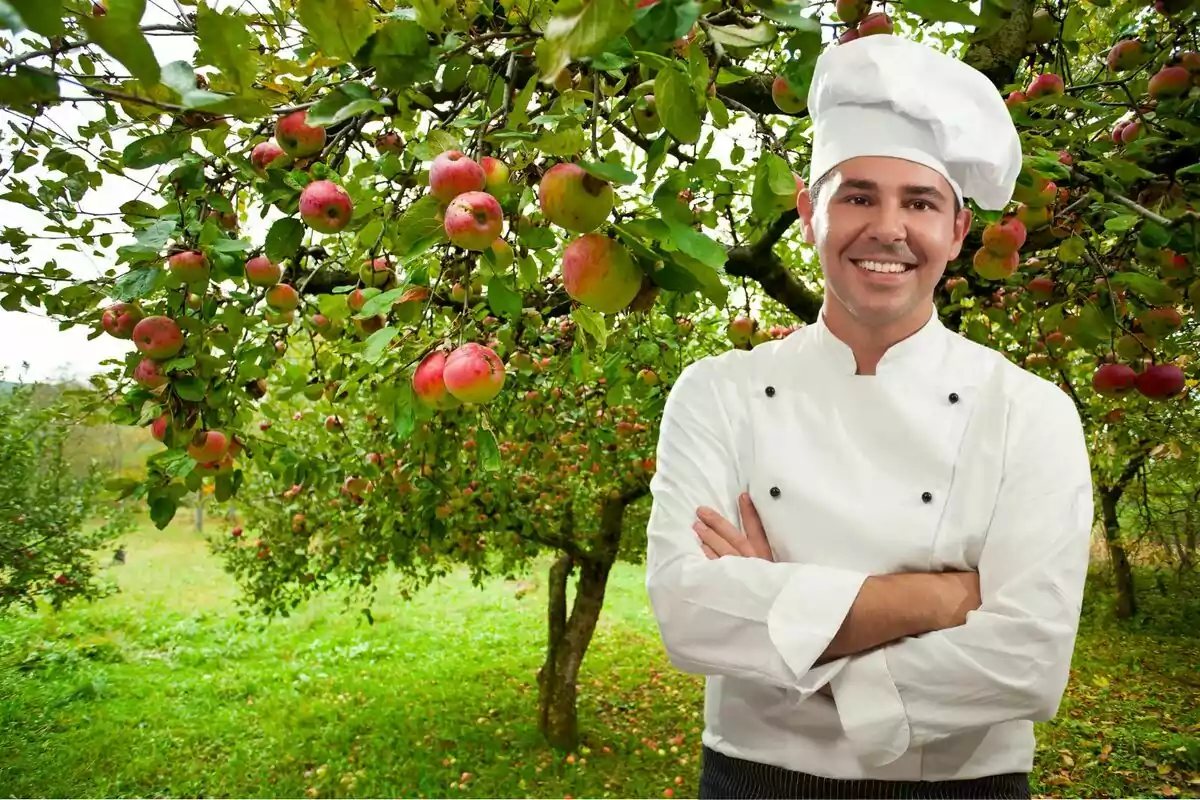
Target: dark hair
815,190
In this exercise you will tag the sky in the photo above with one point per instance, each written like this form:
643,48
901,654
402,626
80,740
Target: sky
33,348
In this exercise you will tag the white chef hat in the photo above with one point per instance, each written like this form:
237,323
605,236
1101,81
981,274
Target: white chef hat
882,95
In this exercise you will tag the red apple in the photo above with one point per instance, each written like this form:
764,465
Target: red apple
119,320
1159,322
1015,99
1045,85
573,199
851,11
149,374
1170,82
376,273
453,173
325,207
296,137
994,267
262,271
268,154
1125,55
428,382
878,22
158,428
1041,287
389,142
473,220
1004,237
189,267
1160,381
1113,380
283,297
495,174
786,100
158,337
208,446
741,330
473,373
600,273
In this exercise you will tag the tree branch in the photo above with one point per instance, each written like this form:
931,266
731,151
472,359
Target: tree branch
759,263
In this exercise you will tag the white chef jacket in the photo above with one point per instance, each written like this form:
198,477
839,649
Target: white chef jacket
950,457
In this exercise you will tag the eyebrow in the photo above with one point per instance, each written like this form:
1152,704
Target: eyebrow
910,190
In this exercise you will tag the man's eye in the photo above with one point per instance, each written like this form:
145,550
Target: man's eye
856,198
922,205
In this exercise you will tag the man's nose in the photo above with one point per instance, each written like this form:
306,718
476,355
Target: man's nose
887,224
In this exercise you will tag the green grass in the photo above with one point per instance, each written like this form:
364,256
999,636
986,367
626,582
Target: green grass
165,690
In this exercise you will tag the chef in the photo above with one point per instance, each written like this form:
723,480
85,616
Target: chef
872,536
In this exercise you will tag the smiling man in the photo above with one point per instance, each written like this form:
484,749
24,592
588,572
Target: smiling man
872,536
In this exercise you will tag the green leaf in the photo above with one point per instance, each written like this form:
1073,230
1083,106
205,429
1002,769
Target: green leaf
1194,169
418,226
760,35
943,11
162,511
711,285
487,451
502,299
609,172
774,188
1150,289
190,388
592,322
655,157
377,342
27,88
284,238
380,303
225,42
678,105
1154,235
339,27
401,55
653,60
1074,20
581,32
787,12
1122,223
343,102
158,148
43,17
10,18
696,244
1071,250
404,421
150,241
135,284
1093,328
119,35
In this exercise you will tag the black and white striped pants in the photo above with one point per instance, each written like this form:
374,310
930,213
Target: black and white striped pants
726,778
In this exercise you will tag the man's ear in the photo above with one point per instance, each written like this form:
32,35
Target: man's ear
962,226
804,207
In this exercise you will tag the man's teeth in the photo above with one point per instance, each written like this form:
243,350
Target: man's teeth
882,266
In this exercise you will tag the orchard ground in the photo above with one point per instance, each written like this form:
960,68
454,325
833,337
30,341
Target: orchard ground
163,690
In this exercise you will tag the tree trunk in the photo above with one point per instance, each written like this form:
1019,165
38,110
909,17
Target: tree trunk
1126,600
569,637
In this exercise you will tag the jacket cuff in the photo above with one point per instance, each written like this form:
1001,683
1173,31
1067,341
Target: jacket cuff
872,713
809,611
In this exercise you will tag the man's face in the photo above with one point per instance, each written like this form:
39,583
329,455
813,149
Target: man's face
885,229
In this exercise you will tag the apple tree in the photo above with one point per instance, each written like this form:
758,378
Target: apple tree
56,515
410,280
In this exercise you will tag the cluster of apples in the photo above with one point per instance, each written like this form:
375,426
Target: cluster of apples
860,21
466,190
324,205
1174,80
1155,381
997,259
472,373
598,271
744,332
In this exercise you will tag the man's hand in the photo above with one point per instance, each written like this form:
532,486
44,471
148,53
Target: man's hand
720,537
957,593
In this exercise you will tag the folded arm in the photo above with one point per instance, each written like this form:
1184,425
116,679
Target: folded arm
753,618
1011,659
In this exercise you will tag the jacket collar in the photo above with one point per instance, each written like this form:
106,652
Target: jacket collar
923,352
